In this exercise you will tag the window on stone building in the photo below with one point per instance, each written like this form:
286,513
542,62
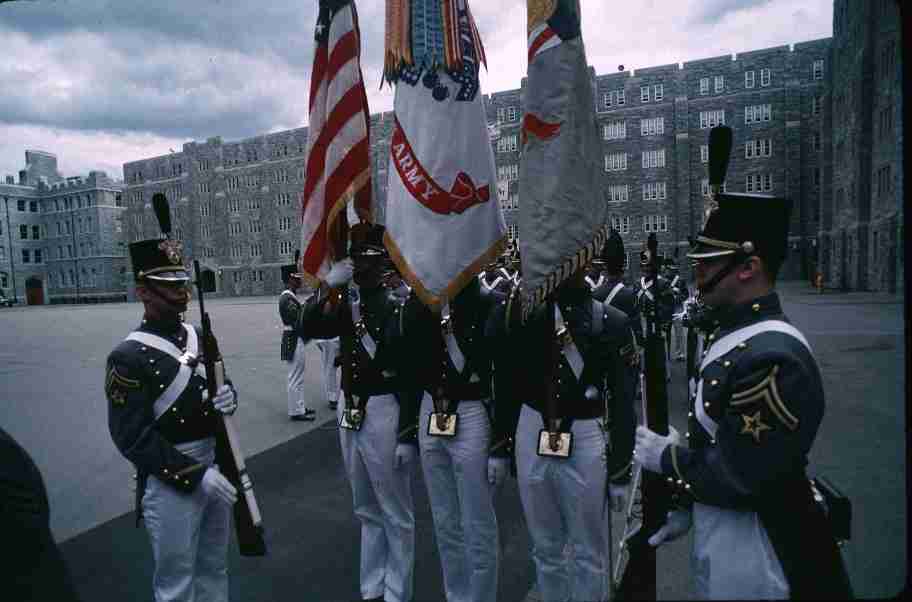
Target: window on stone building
616,130
644,93
816,177
607,99
704,86
818,69
4,280
36,233
704,153
616,162
767,182
654,158
816,142
618,193
33,206
38,256
720,83
511,113
285,247
764,77
23,232
621,97
710,119
653,126
815,105
749,79
20,205
234,229
26,256
284,224
658,92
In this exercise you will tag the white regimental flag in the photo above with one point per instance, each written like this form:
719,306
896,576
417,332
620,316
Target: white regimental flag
563,211
443,219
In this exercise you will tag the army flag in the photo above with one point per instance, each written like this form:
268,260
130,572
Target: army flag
563,213
337,171
443,219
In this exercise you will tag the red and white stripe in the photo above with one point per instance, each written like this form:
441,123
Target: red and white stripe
338,145
542,38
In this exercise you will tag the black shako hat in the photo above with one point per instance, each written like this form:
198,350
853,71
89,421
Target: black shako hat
612,255
746,224
367,240
291,269
159,259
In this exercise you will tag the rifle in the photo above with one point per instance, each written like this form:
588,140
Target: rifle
638,579
248,522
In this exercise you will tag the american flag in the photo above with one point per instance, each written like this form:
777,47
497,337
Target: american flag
338,158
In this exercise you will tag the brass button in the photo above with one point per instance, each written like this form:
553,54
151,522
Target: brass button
706,404
182,421
742,345
712,337
142,348
714,383
161,386
174,409
152,361
165,470
157,372
727,363
186,482
755,307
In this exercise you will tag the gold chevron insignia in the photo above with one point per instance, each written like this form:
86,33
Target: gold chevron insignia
767,391
754,425
117,387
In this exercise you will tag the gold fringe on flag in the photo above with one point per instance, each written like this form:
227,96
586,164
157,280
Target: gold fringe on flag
532,299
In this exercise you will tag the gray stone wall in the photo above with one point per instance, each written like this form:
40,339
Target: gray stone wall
861,238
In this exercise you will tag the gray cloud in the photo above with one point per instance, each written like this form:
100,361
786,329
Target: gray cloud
710,12
102,82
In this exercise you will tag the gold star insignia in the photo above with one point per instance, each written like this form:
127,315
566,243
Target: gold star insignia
754,425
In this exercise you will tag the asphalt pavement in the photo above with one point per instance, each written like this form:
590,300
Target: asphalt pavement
52,401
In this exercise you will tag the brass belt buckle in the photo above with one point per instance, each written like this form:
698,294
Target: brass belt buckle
442,424
554,444
352,419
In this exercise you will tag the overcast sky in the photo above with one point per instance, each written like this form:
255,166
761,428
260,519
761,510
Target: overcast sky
103,82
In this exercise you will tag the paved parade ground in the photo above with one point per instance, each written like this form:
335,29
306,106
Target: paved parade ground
52,401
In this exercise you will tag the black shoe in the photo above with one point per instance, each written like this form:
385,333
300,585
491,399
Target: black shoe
299,417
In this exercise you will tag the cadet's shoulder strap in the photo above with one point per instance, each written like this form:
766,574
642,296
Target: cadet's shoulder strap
617,288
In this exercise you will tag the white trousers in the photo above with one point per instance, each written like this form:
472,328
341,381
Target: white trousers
189,536
456,474
733,558
382,498
564,503
296,369
332,375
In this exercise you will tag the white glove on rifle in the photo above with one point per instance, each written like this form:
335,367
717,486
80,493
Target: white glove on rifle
497,470
217,486
405,454
676,524
340,273
618,495
649,447
225,400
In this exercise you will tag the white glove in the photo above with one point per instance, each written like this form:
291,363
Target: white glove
405,454
497,470
649,447
677,523
225,399
340,273
216,485
618,495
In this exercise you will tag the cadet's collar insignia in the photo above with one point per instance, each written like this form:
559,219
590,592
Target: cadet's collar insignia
171,249
754,425
117,387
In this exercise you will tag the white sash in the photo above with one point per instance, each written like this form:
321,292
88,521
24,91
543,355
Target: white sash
594,284
617,288
729,342
568,347
361,330
455,353
644,288
184,371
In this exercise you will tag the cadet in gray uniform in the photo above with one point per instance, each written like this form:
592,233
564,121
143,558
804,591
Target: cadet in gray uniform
293,345
679,293
378,420
758,532
462,463
611,288
573,447
162,421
